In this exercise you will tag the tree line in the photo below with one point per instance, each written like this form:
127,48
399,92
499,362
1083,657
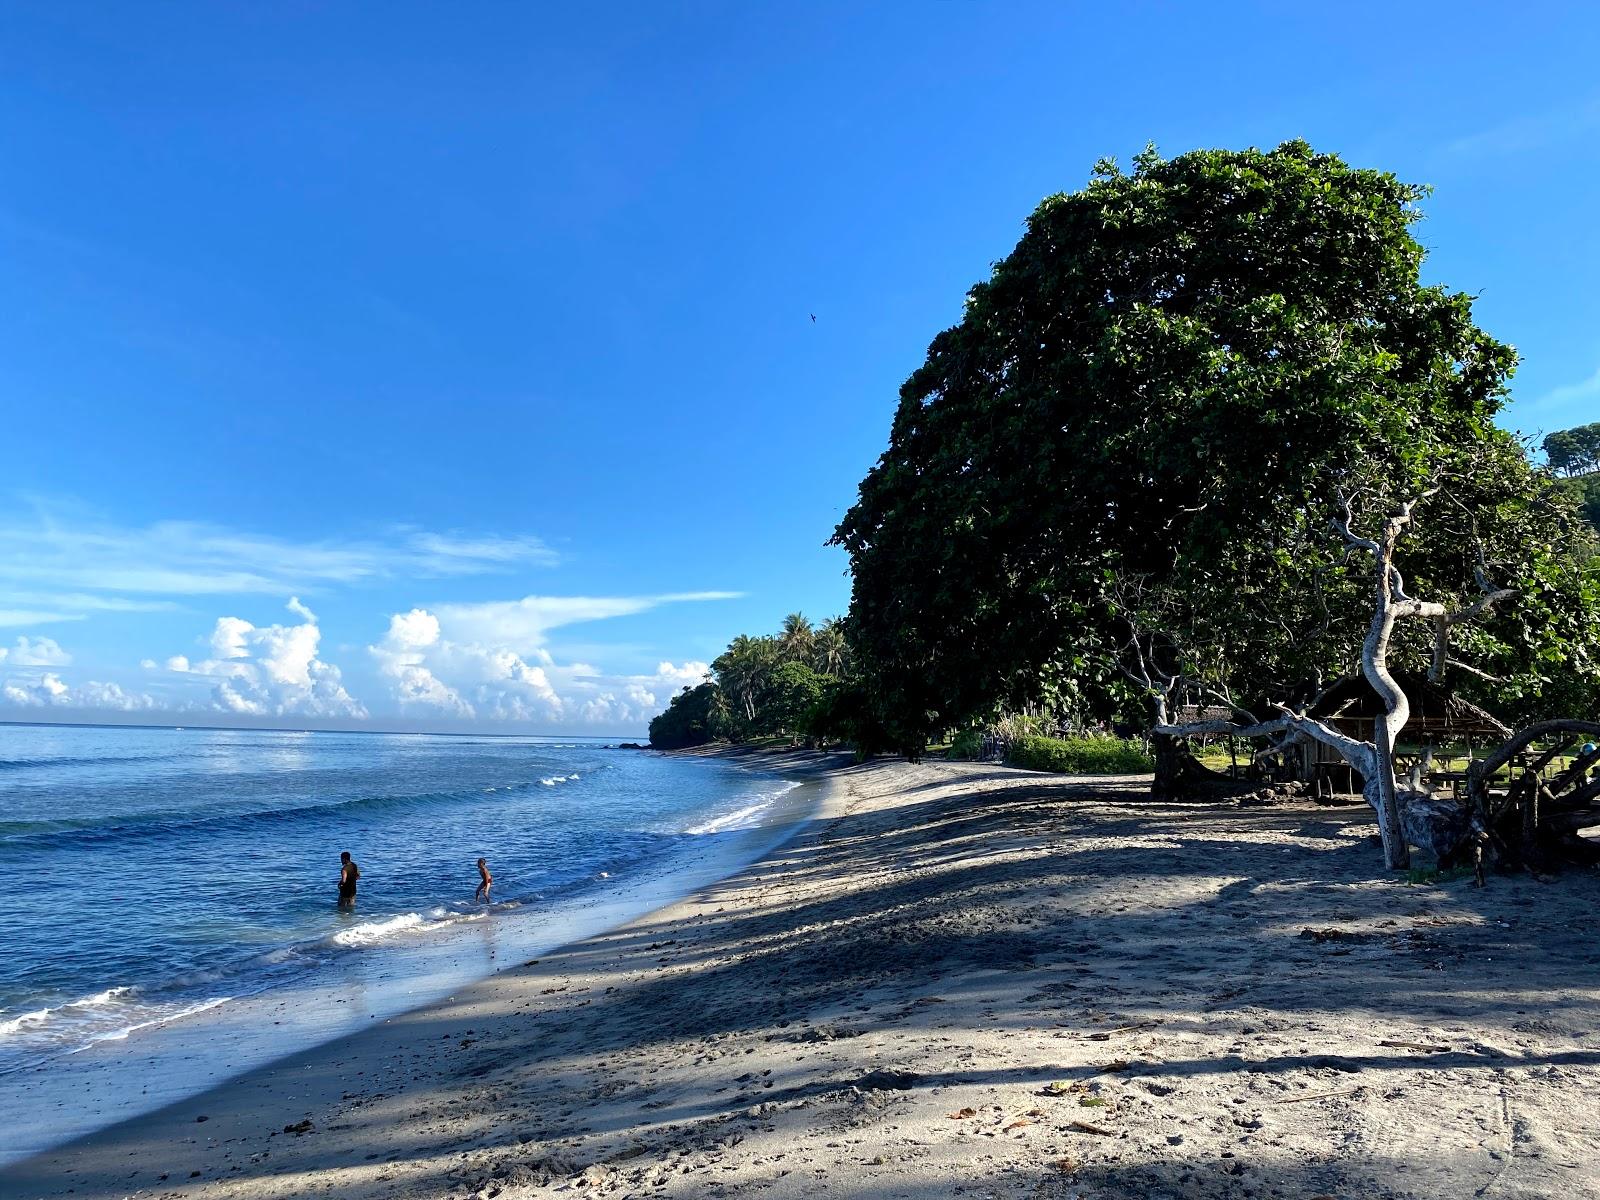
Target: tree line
777,685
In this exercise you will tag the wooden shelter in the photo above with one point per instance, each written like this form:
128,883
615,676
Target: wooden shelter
1351,707
1438,716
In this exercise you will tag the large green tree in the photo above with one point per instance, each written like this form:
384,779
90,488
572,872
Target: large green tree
1140,429
796,692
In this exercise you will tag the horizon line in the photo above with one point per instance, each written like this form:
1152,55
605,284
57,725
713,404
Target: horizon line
305,729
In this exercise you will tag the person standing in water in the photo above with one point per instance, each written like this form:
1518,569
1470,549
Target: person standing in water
485,881
348,874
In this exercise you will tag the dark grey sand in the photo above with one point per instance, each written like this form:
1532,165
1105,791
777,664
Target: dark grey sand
965,980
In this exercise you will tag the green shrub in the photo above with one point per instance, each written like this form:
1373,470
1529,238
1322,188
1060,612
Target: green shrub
1081,756
967,744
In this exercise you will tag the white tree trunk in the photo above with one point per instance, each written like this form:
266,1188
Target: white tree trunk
1380,789
1374,759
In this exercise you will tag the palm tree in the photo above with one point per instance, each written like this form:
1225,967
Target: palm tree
718,715
797,639
831,653
743,668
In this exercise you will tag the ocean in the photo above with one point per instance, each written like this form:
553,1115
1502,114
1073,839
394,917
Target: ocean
168,916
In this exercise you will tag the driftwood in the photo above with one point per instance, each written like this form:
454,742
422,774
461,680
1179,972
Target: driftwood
1535,823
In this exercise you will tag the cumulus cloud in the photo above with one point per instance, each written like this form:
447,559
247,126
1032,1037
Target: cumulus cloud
621,703
94,694
690,674
489,661
50,691
402,656
271,670
488,681
35,652
230,638
630,707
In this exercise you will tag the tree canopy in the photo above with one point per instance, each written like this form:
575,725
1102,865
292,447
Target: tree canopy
1574,451
1145,417
1574,454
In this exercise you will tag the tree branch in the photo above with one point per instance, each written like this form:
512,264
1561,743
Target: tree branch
1187,729
1342,526
1472,670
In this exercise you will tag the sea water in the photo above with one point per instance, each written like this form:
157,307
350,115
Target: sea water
168,909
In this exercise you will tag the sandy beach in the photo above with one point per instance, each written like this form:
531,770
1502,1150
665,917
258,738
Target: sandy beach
963,980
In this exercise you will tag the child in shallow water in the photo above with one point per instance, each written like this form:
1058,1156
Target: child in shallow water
485,881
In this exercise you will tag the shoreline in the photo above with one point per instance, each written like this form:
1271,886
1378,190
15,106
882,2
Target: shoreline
80,1091
962,976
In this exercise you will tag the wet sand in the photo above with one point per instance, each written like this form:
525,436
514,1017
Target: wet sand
963,980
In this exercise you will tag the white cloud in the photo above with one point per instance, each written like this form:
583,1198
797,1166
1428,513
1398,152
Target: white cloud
50,691
443,551
230,638
271,670
401,656
469,660
631,707
58,567
501,684
83,603
507,688
691,674
35,616
523,624
94,694
619,704
35,652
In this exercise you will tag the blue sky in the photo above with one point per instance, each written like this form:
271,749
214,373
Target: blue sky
452,367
